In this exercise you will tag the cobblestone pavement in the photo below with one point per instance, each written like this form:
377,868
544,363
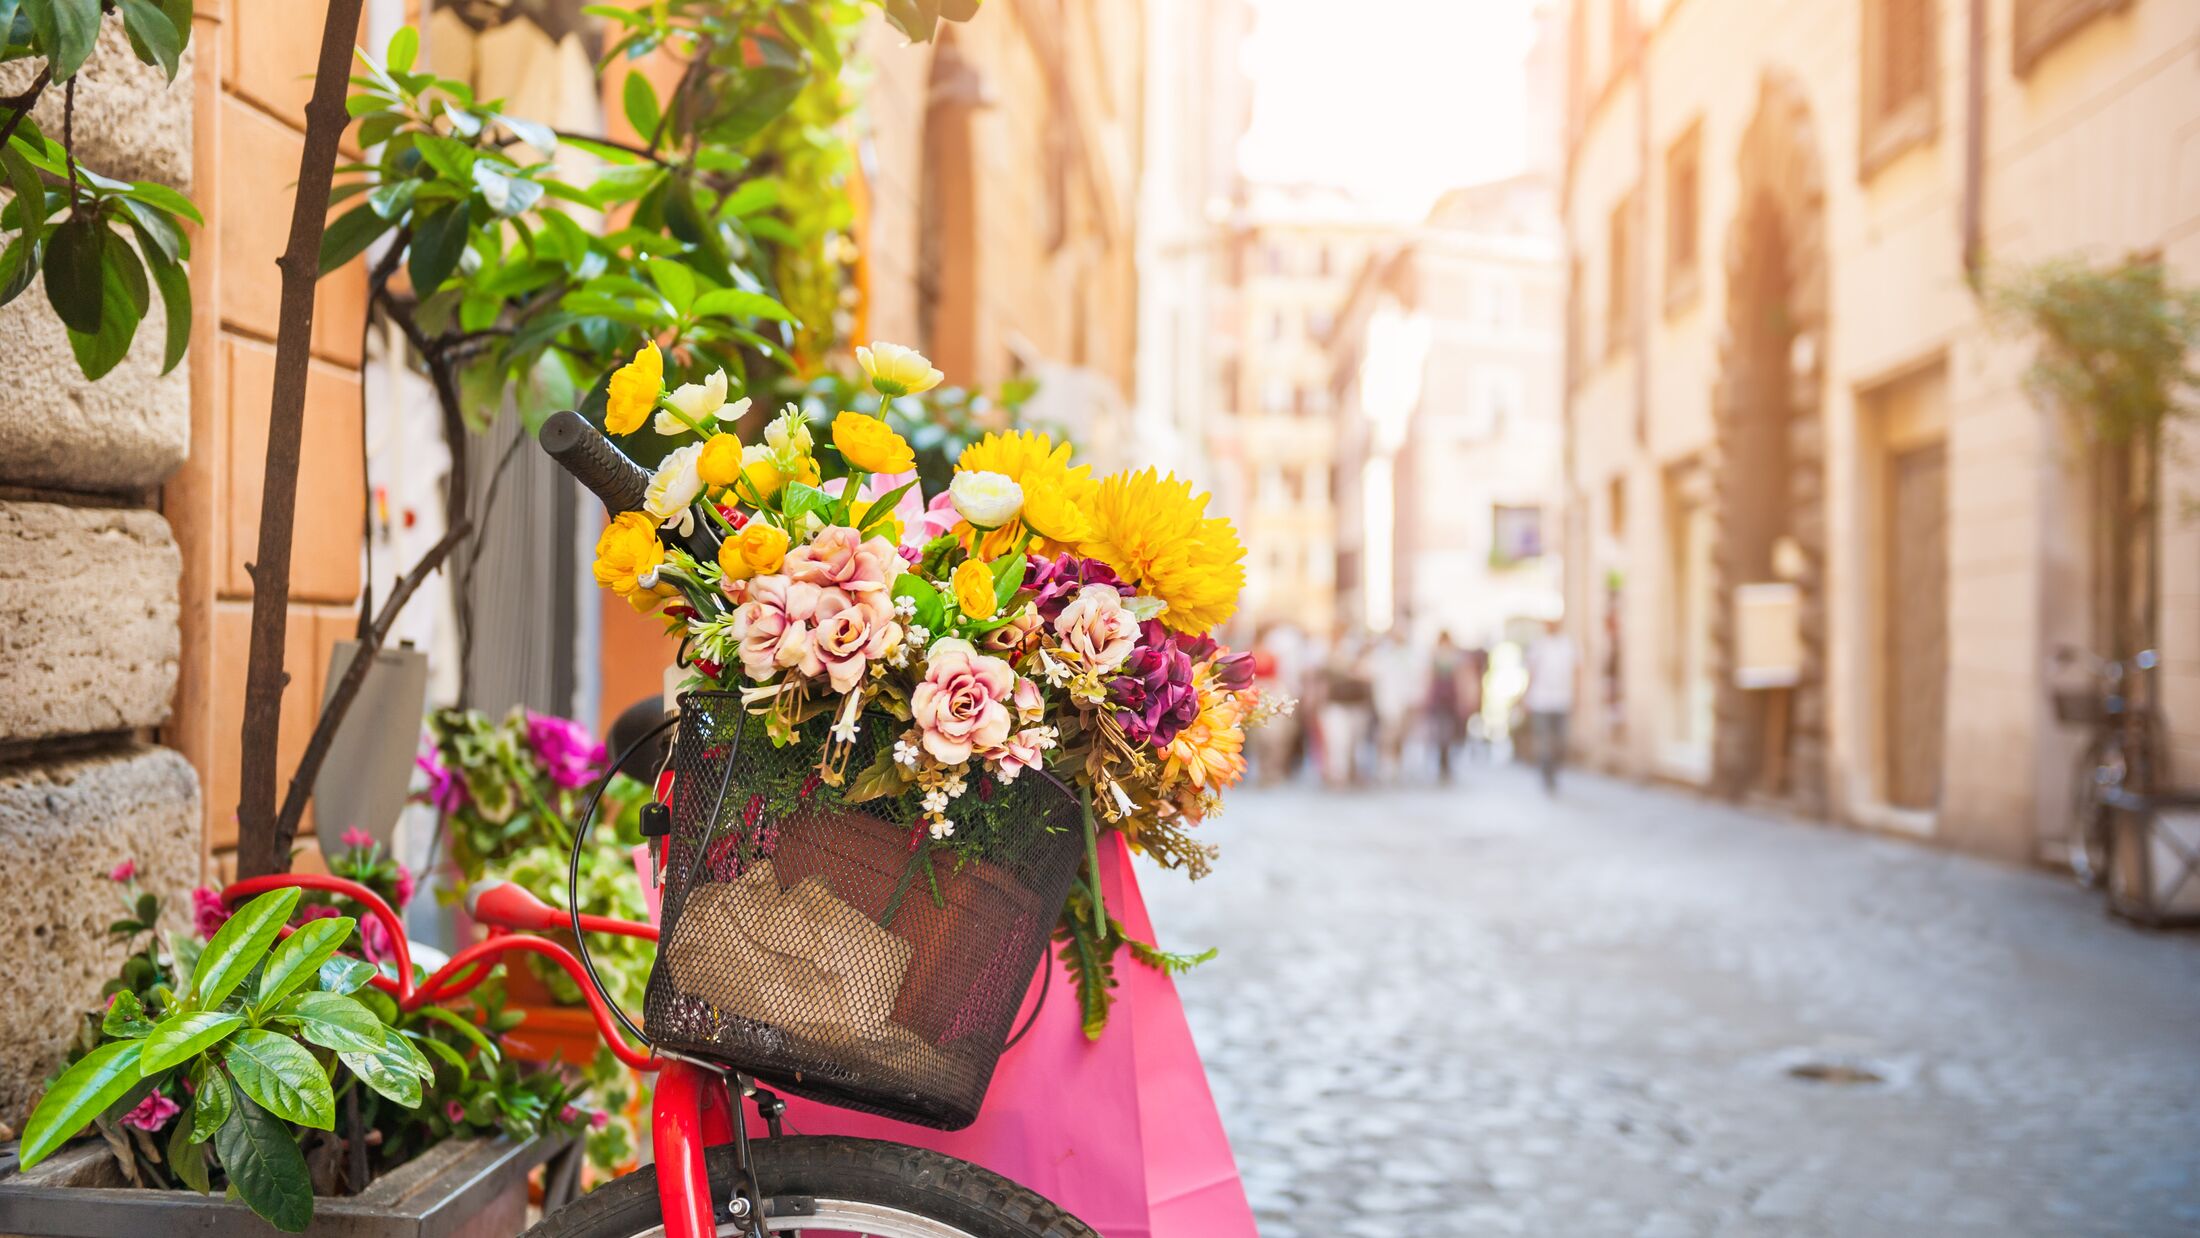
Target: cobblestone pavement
1484,1012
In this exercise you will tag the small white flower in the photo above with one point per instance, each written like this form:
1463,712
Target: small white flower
675,485
941,828
850,720
935,800
699,401
905,753
905,607
789,433
956,786
986,500
919,634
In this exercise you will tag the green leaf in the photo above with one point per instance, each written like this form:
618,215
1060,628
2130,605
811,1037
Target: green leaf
763,94
931,607
125,1018
155,39
73,260
82,1093
800,499
473,1035
540,136
240,945
642,110
808,29
352,232
738,303
880,778
184,1037
123,299
161,197
448,156
1008,577
1172,962
378,1069
1090,962
265,1165
403,49
277,1072
882,508
334,1021
212,1099
675,282
345,974
185,1155
174,283
450,1056
30,194
439,238
67,31
300,956
18,265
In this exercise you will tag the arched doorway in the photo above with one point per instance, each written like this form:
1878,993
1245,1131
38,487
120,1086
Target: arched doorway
947,219
1769,430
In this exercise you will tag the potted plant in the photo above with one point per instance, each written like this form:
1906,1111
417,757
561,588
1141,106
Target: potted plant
256,1059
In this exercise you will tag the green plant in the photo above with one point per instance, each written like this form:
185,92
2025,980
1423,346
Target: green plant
2115,342
73,224
253,1035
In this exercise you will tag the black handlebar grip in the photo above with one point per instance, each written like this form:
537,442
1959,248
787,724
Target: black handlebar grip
599,465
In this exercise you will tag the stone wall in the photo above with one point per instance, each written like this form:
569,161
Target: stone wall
89,619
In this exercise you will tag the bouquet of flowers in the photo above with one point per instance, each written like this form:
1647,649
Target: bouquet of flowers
1028,615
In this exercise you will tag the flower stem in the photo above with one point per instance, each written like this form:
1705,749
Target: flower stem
1092,864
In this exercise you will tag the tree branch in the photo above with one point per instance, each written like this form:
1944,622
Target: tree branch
263,839
23,103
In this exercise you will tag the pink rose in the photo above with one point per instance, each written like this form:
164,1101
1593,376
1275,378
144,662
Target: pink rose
1011,636
1026,749
838,559
1030,706
959,705
152,1113
1097,628
773,626
848,632
123,871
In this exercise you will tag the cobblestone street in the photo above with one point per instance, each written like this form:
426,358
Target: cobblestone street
1484,1012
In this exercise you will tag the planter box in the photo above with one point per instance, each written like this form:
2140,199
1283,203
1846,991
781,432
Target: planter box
471,1188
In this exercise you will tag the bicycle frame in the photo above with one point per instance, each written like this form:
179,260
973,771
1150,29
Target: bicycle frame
692,1108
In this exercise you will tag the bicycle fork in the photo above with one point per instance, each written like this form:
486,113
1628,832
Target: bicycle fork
697,1108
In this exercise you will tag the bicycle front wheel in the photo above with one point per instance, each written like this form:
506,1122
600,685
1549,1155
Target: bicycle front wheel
826,1187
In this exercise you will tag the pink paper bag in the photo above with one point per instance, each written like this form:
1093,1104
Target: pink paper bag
1123,1132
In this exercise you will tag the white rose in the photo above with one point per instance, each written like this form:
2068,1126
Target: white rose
698,401
986,500
674,486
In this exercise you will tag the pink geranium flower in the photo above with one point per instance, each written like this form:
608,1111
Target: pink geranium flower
405,886
960,705
123,871
356,838
208,912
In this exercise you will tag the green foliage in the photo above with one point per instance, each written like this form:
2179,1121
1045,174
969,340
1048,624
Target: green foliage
938,424
1089,956
2115,342
105,246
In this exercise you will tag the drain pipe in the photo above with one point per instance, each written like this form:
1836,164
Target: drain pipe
1974,151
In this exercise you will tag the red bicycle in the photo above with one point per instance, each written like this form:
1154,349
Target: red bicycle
710,1177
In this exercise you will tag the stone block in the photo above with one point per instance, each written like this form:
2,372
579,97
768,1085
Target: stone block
131,121
88,614
64,825
123,434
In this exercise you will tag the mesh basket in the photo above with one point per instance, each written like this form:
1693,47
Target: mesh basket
830,948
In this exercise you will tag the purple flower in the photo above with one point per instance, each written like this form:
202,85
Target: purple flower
570,754
445,789
152,1113
1057,581
1153,694
1233,672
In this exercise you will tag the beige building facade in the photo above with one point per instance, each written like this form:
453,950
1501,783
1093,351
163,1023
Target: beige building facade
1779,374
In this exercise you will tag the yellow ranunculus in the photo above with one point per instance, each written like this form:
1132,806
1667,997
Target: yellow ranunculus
805,471
868,443
720,463
759,476
973,586
634,391
1050,511
627,551
757,550
895,370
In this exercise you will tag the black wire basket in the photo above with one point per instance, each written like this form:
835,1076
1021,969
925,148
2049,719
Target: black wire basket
834,949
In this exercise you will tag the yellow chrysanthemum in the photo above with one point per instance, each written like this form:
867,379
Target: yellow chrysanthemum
634,391
1156,533
1021,454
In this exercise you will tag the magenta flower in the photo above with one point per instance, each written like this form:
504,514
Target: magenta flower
315,911
455,1112
1153,695
445,789
1058,581
357,839
152,1113
374,941
123,871
208,912
566,749
1233,672
405,885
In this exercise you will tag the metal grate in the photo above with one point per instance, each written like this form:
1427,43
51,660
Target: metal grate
834,950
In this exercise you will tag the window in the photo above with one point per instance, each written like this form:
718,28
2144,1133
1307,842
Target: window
1900,80
1516,534
1619,286
1499,396
2041,24
1682,226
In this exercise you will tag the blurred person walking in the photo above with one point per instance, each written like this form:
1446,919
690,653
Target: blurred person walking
1344,715
1454,696
1549,698
1397,690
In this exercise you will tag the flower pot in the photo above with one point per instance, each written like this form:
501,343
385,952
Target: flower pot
834,949
461,1188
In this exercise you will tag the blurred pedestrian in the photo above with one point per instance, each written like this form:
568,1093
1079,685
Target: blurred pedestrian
1448,669
1279,655
1549,698
1397,688
1345,710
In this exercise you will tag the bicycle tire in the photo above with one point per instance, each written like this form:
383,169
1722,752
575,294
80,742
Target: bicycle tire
967,1200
